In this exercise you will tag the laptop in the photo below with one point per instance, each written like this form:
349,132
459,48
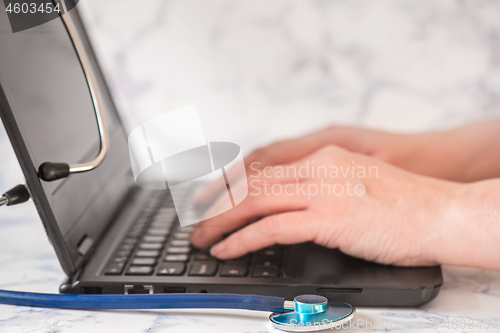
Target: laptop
112,237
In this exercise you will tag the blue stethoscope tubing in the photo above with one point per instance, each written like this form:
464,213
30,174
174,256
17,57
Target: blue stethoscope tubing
308,313
143,301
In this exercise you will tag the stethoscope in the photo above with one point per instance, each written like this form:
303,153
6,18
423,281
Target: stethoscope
50,171
305,313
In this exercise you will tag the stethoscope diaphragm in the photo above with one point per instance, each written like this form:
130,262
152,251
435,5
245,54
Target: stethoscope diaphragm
313,313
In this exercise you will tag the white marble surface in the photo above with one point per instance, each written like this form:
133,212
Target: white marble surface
265,70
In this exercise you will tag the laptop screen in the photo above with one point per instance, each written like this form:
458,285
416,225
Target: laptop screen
47,93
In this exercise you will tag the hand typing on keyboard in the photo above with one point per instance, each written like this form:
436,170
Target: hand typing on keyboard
157,245
360,198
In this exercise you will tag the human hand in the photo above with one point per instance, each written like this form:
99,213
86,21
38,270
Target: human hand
378,212
468,153
389,147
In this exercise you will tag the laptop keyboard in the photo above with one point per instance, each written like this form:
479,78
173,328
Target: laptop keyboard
156,245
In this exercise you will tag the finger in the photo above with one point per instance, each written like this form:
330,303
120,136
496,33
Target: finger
253,157
285,228
257,185
280,152
254,206
208,193
221,203
278,174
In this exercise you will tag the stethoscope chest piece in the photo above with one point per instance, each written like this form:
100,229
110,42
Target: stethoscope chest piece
312,313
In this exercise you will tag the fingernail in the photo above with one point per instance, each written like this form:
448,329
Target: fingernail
217,249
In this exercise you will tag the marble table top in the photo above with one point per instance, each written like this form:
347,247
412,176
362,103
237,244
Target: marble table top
263,70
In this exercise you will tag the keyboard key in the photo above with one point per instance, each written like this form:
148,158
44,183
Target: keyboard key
164,221
129,241
265,272
203,268
171,268
161,225
264,262
177,257
233,270
268,253
126,247
166,211
200,256
236,262
144,261
180,242
119,259
184,249
123,253
151,246
114,269
158,232
181,235
239,261
135,232
149,253
140,270
154,239
167,216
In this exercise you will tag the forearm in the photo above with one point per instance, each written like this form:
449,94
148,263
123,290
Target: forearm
464,154
470,232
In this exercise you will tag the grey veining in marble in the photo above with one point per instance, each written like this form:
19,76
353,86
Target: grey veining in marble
264,70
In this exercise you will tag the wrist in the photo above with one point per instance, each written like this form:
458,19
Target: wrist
465,154
469,231
438,154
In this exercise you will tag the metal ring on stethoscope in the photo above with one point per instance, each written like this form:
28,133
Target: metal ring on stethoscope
312,313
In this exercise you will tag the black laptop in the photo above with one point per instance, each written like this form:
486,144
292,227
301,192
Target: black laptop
110,236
